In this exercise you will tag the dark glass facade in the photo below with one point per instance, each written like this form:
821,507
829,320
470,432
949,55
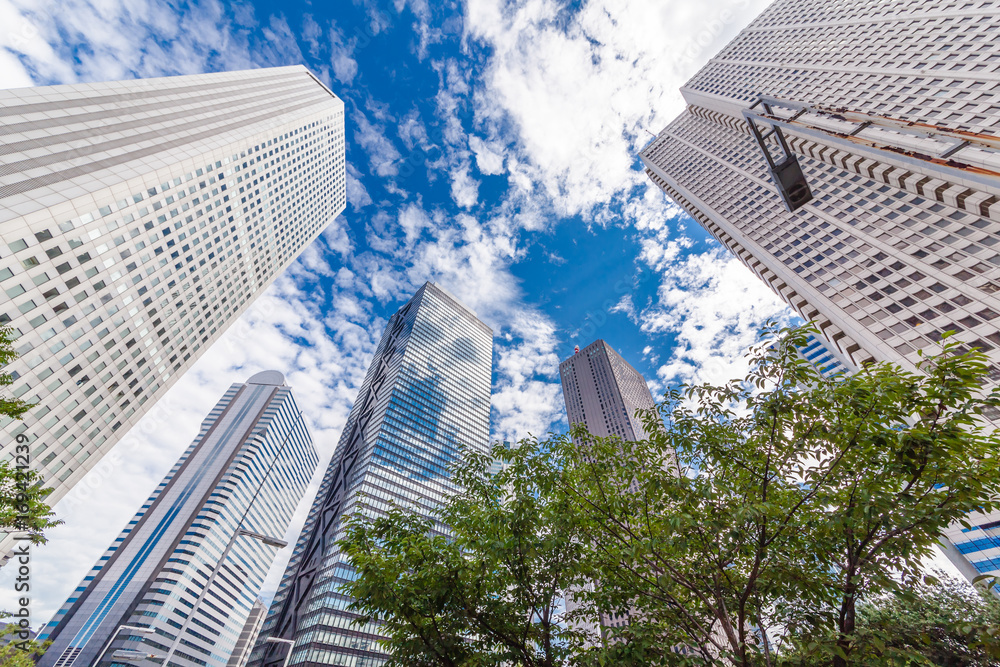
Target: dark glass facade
426,395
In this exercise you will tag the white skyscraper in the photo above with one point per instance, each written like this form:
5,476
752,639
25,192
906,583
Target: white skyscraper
887,231
138,220
187,569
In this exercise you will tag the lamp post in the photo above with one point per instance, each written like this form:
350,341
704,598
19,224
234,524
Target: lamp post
291,645
141,631
129,655
269,541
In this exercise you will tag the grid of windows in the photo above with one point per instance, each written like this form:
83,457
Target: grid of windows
248,467
116,280
603,392
885,258
428,390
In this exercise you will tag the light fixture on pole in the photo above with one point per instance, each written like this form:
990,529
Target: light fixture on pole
265,539
141,631
129,655
291,645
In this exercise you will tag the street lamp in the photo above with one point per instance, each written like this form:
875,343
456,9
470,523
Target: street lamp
291,645
129,655
266,539
141,631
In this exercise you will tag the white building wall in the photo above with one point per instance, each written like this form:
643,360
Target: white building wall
138,220
890,253
248,467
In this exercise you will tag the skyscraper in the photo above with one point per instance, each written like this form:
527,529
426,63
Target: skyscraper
138,220
426,395
248,636
888,237
817,352
603,392
187,569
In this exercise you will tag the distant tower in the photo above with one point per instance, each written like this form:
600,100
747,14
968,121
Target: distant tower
603,392
247,470
248,637
426,396
890,112
138,220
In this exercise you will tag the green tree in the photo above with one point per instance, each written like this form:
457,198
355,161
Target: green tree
16,648
934,621
9,407
487,589
799,497
22,499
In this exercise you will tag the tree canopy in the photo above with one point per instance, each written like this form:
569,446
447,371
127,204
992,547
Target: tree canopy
22,499
797,497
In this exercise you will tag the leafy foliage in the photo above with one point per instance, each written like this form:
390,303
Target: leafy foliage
772,504
15,650
9,407
480,585
799,496
936,621
22,500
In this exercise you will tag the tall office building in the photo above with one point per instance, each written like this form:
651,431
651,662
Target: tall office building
138,220
817,352
603,392
881,222
426,396
248,636
184,567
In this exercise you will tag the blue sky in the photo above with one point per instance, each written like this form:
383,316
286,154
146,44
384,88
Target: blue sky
491,148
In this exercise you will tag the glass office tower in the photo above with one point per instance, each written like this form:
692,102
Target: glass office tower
245,472
138,220
426,396
888,234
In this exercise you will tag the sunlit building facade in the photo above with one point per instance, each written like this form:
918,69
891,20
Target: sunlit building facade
425,397
245,471
891,110
605,393
138,220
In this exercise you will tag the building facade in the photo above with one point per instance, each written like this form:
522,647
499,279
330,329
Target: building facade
818,353
425,397
603,392
138,220
892,112
248,637
245,471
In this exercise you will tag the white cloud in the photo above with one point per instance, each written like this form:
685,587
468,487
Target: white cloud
119,39
357,194
345,67
464,188
580,88
383,156
489,157
715,307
